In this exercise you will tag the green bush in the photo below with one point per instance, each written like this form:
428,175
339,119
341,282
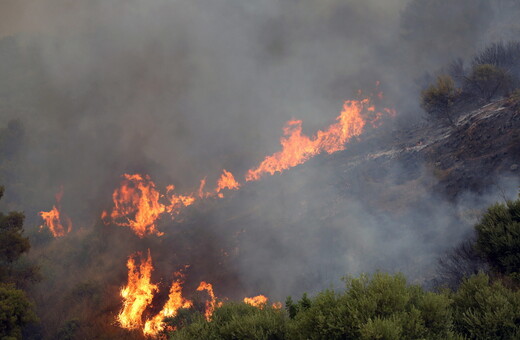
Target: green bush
439,99
237,321
378,307
498,237
486,311
487,82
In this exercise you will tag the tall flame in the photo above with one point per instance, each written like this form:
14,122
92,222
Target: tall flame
212,303
298,148
59,224
227,181
137,204
138,293
174,303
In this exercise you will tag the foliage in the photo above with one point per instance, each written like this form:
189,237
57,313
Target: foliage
502,55
439,100
15,312
12,245
378,307
498,237
487,82
486,311
237,321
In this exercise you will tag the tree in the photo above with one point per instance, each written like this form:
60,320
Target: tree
498,237
12,243
438,100
15,309
15,312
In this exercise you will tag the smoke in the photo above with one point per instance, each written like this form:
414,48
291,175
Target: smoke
182,89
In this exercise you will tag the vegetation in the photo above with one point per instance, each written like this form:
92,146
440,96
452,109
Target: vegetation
481,304
438,100
494,73
16,311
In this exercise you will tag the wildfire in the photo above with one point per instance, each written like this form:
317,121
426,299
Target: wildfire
59,224
227,181
297,148
212,303
138,293
137,204
257,301
174,303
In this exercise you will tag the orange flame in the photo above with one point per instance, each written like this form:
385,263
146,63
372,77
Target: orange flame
137,205
138,293
174,303
58,224
212,303
298,148
257,301
227,181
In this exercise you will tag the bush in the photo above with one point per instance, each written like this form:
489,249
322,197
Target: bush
237,321
487,82
501,55
439,100
498,237
486,311
380,307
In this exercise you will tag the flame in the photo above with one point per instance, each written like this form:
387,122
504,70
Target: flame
174,303
298,148
257,301
59,224
212,303
138,293
137,205
277,305
227,181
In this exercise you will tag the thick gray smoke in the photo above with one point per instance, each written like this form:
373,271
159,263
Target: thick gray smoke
182,89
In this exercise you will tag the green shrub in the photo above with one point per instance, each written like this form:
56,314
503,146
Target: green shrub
486,311
487,82
498,237
237,321
439,100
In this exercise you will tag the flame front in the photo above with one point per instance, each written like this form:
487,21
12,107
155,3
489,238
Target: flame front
58,223
138,293
174,303
298,148
212,303
257,301
137,205
227,181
